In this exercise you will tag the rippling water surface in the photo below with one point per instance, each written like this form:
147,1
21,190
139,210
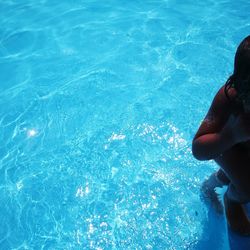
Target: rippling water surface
99,102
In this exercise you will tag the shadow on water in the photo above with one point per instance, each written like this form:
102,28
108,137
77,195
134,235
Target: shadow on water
238,242
214,234
217,236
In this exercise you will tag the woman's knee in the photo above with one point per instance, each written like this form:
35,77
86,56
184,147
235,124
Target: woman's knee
238,194
246,193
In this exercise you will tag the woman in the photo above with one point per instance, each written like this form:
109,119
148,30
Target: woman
224,136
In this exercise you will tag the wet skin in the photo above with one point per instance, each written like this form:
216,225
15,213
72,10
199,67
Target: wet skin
235,160
236,164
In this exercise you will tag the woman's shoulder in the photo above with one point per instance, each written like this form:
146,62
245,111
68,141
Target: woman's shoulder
224,97
228,98
225,101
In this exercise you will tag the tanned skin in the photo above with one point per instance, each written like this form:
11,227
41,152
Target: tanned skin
224,135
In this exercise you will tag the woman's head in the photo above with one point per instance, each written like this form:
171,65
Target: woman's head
242,60
240,79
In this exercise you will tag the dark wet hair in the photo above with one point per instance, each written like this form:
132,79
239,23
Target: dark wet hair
240,79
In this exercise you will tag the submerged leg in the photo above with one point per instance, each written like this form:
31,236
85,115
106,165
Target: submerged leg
222,177
235,211
236,164
217,179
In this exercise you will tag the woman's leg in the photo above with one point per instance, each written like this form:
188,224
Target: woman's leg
222,177
235,211
236,165
215,180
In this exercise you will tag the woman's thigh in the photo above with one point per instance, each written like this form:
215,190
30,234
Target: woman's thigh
236,165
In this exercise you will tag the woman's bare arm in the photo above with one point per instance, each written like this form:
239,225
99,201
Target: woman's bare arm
214,135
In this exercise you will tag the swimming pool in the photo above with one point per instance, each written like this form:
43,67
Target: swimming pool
99,102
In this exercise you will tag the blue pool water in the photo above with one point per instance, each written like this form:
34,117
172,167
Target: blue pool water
99,102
